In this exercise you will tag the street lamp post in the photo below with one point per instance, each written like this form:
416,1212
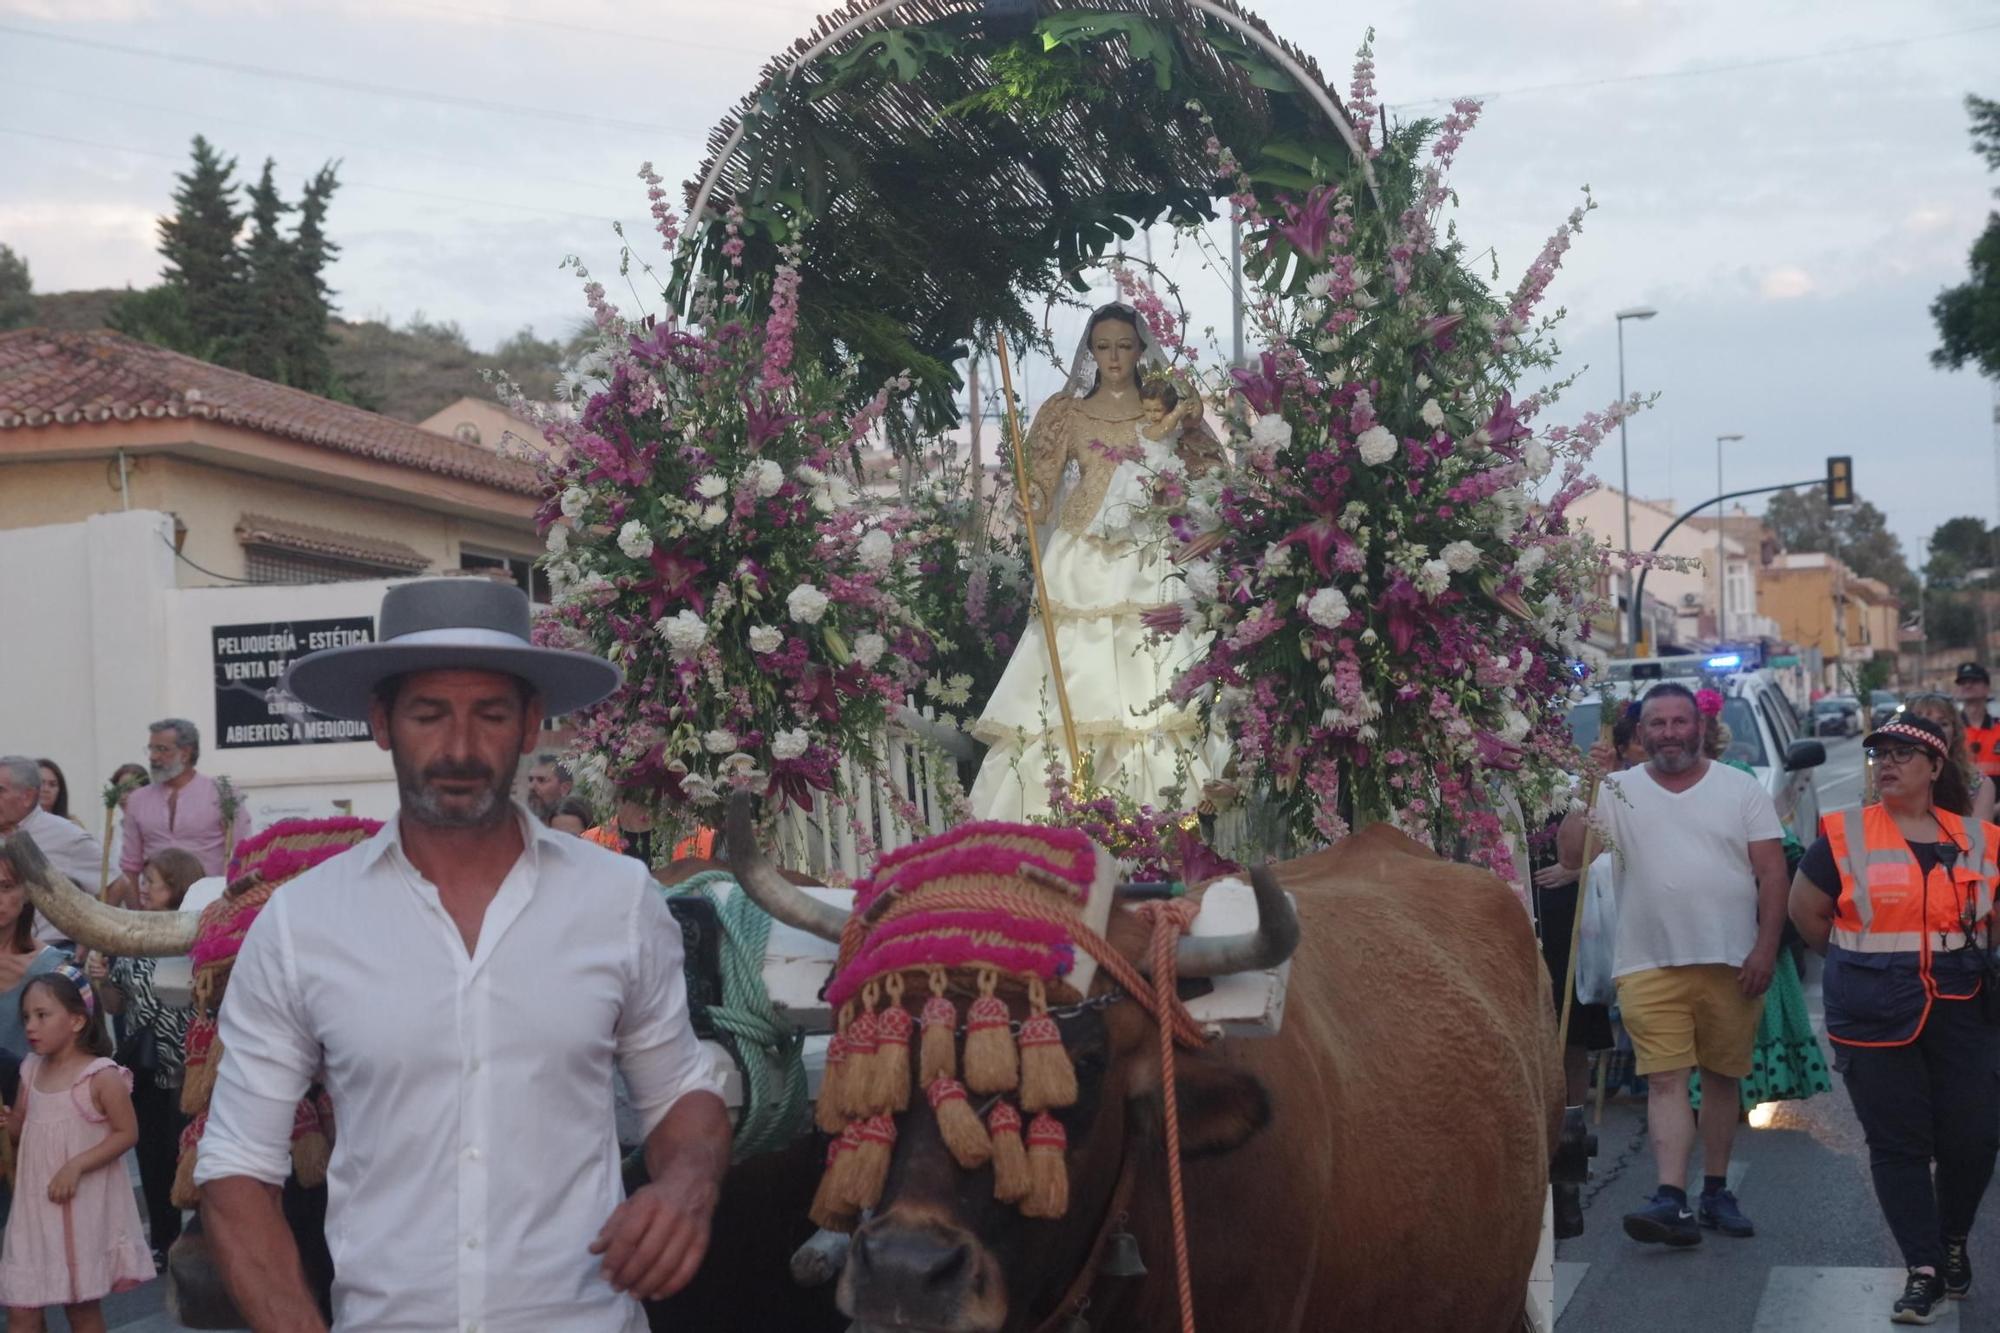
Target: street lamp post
1624,457
1721,557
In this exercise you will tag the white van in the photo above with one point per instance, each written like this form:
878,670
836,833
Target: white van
1764,731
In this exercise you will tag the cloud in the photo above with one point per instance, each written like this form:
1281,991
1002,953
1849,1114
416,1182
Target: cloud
1785,283
77,11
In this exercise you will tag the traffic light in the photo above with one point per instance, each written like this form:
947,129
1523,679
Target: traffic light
1840,480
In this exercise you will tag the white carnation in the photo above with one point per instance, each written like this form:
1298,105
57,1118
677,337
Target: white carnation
719,741
767,477
1538,459
712,515
1531,560
558,539
876,550
1511,510
634,540
1202,580
764,639
1328,607
1514,726
710,486
806,604
1377,445
1432,414
790,744
1432,577
1271,431
1461,556
574,501
1277,558
684,632
869,647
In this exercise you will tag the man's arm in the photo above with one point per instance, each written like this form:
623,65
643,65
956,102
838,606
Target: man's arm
1767,859
245,1222
246,1148
655,1241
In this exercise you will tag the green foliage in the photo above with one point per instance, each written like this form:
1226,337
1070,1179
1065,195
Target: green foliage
17,291
1875,674
1968,315
255,302
942,180
1858,534
411,371
1951,619
1961,547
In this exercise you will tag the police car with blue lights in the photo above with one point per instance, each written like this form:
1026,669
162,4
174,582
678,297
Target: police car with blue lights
1765,733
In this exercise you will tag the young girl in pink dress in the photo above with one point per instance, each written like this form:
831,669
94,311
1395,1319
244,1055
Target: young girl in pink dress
74,1236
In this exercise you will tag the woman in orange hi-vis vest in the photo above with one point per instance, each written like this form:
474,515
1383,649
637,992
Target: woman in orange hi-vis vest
1982,728
1899,897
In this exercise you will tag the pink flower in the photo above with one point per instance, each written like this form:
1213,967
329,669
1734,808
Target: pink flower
1709,702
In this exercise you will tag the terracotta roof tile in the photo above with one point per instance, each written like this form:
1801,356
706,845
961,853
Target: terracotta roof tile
261,530
52,378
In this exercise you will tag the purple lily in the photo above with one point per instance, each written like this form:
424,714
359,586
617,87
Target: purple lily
1504,426
676,578
765,421
1262,388
1404,609
1310,228
1326,543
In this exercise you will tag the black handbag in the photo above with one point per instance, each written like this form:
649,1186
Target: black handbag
140,1050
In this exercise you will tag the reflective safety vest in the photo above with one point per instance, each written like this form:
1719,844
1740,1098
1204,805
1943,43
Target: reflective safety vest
1984,743
699,844
1899,939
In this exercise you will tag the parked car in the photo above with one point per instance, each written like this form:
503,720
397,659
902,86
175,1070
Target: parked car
1837,715
1764,733
1882,706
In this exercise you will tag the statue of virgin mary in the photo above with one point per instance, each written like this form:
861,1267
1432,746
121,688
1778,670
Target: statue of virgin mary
1093,452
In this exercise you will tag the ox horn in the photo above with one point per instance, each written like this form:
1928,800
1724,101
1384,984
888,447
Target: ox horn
766,887
1276,936
88,921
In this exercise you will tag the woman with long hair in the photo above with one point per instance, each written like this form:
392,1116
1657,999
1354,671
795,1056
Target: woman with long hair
1899,897
1942,710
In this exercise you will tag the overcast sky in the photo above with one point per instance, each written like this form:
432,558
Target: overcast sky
1790,183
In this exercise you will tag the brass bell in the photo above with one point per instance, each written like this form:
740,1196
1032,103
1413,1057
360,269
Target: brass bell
1121,1255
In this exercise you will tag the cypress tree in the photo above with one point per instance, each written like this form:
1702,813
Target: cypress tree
270,287
199,244
311,252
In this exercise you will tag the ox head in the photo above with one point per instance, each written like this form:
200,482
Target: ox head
939,1253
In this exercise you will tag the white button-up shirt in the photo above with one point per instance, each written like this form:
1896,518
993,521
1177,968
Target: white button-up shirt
474,1158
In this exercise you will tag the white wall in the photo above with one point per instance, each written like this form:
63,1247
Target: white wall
80,622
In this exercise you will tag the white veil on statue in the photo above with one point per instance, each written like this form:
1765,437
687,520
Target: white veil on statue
1082,383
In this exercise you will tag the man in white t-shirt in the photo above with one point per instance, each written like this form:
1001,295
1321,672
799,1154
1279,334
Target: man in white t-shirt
1701,908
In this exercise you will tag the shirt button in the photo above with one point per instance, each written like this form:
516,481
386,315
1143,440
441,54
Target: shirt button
472,1242
473,1064
472,1154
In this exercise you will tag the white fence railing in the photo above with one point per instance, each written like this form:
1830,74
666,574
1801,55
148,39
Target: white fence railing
840,838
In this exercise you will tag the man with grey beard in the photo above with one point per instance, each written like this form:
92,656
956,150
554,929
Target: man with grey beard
1701,909
181,808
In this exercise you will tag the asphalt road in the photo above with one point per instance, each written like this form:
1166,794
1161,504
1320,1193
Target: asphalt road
1822,1259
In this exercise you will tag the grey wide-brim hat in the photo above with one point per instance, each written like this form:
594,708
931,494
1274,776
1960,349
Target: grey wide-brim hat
462,624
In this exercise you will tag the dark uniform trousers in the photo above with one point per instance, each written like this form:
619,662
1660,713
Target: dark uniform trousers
1936,1099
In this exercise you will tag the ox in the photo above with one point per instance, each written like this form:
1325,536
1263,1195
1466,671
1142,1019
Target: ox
1380,1163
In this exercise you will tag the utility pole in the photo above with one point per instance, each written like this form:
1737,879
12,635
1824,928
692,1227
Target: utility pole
1235,292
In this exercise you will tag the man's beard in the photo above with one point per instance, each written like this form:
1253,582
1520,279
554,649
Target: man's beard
1673,762
427,806
167,772
543,810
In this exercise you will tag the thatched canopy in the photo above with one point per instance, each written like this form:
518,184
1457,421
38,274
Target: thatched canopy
945,172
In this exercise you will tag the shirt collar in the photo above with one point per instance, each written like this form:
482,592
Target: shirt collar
535,838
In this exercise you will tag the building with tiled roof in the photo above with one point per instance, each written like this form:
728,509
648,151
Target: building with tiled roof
265,483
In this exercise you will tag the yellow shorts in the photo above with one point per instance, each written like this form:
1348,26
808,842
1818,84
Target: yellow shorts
1684,1017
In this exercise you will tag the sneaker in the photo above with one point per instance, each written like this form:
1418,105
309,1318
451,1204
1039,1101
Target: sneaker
1920,1300
1663,1222
1957,1268
1720,1213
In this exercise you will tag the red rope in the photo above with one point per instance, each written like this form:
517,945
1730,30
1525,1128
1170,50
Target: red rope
1170,920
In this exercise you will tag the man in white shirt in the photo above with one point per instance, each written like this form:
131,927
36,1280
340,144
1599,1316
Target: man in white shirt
69,846
1701,910
463,983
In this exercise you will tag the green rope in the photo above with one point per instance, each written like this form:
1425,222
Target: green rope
768,1050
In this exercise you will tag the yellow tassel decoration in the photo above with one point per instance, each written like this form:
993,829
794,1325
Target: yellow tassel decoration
1010,1157
1048,1173
992,1064
1048,1080
958,1124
